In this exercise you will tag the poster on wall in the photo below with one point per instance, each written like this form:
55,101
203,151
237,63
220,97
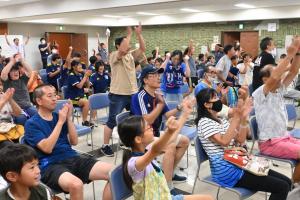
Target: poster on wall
272,27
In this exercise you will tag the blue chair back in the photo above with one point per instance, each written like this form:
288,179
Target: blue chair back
120,117
200,152
291,112
98,101
200,73
184,88
253,128
44,78
60,104
118,186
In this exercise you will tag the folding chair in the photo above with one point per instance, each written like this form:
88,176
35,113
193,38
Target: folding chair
292,113
119,118
98,102
119,189
254,133
43,75
81,130
201,155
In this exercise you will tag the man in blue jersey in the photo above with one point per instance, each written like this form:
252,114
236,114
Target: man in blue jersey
152,106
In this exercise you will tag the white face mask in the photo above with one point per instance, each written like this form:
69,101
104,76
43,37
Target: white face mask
274,52
54,51
43,42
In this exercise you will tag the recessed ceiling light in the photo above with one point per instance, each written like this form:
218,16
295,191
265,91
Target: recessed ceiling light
146,13
244,5
112,16
189,10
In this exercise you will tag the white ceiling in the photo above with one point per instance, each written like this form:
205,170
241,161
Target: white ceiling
124,12
14,2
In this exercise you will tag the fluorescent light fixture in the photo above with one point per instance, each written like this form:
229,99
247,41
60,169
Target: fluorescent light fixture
146,13
244,5
189,10
112,16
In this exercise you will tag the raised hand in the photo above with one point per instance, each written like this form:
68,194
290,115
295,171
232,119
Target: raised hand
98,35
138,29
168,56
172,125
63,113
294,47
88,72
159,97
129,31
9,94
187,105
186,58
70,48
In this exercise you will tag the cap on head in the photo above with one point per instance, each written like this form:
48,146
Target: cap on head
150,69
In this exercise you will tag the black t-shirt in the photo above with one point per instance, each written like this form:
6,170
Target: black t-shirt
45,53
264,59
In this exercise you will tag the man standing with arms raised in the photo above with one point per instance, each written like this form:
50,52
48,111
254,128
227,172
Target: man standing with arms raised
123,80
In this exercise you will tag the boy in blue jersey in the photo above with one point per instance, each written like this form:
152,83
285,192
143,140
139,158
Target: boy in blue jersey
152,106
52,136
53,70
100,80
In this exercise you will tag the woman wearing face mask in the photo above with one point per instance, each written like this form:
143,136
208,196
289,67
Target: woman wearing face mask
54,50
176,67
44,50
216,134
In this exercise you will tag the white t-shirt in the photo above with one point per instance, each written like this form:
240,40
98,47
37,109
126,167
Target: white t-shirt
6,112
245,79
18,49
224,65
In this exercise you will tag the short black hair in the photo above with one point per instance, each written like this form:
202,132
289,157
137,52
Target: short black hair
200,56
118,41
76,54
136,63
149,59
42,39
55,57
160,60
101,44
74,63
264,43
227,48
98,64
15,39
16,66
93,59
234,57
14,157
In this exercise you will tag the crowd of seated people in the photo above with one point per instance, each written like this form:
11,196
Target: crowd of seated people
144,86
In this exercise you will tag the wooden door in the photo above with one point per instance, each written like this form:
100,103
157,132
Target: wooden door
230,37
80,44
63,40
249,42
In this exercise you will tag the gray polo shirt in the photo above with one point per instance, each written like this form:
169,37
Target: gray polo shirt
104,54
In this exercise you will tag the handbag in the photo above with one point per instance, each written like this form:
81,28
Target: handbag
238,156
10,131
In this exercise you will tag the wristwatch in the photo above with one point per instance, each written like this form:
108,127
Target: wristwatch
179,107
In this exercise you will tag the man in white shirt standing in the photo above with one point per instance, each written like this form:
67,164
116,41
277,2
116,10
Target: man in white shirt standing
16,47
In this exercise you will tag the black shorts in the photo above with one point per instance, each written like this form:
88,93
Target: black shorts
79,166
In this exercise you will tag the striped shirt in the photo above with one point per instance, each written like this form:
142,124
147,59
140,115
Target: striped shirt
223,172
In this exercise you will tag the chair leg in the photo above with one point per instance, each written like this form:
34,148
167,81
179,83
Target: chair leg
195,181
94,194
118,149
218,193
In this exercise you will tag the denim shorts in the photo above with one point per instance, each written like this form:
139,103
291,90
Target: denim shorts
177,197
116,105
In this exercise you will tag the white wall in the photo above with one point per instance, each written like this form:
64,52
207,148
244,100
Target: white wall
37,31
